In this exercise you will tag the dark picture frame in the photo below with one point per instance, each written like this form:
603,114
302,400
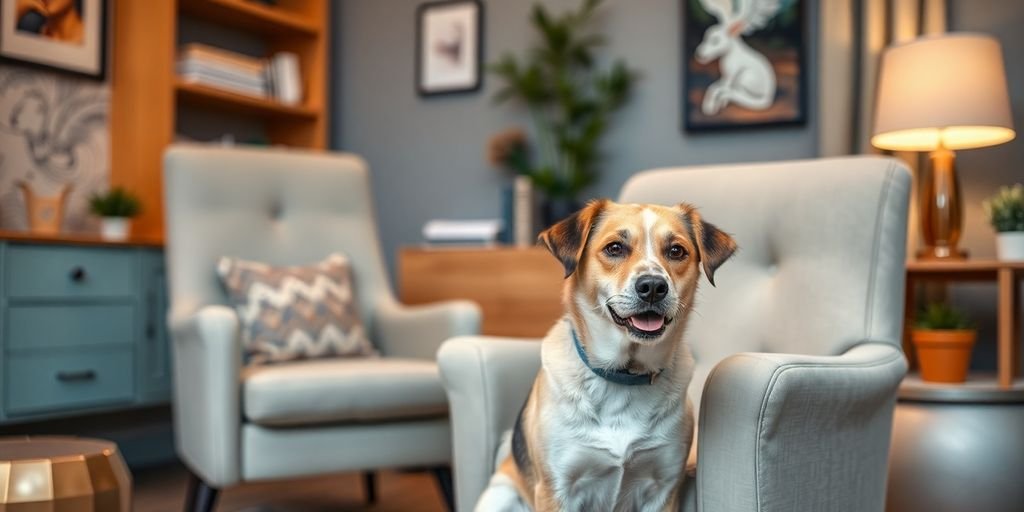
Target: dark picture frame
770,42
449,47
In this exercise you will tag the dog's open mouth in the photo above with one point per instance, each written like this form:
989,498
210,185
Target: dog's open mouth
645,324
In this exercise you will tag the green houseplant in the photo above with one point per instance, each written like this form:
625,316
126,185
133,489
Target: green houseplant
570,101
1005,212
943,340
115,208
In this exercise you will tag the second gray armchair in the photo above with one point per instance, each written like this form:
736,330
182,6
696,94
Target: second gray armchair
236,424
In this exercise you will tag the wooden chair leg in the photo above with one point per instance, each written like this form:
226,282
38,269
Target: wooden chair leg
370,486
443,475
199,497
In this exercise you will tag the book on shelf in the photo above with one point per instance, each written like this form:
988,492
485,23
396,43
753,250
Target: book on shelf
222,69
278,77
219,56
223,73
285,78
219,83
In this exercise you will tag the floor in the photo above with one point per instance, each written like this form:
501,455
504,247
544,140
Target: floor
163,489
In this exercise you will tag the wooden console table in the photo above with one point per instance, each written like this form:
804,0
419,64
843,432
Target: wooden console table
1007,274
518,289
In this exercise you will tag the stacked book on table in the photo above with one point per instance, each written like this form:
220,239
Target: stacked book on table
462,232
277,77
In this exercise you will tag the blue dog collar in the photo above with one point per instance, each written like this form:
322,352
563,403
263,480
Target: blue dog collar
615,376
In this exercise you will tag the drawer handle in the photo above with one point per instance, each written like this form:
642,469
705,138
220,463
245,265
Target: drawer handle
76,376
77,274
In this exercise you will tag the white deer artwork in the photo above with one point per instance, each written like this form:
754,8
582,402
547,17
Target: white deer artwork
748,79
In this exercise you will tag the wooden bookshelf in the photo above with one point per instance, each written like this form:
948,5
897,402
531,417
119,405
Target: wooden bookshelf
147,95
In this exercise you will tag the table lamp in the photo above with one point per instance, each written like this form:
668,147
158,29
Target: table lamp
939,94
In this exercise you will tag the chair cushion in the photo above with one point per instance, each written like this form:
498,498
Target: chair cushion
299,312
340,390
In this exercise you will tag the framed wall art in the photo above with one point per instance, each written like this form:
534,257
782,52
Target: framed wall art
744,63
65,35
449,46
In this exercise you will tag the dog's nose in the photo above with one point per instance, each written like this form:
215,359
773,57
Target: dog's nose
651,288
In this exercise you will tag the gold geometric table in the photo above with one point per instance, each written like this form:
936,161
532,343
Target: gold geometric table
62,474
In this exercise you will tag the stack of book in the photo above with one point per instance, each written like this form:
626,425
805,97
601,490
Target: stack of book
462,232
277,77
207,65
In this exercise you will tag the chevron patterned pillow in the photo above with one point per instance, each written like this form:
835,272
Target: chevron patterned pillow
290,313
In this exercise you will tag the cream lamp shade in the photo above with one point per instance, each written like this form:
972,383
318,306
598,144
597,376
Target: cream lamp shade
945,91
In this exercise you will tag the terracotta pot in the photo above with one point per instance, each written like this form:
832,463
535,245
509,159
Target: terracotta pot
944,355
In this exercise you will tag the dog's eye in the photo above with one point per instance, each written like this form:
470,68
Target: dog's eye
615,249
677,252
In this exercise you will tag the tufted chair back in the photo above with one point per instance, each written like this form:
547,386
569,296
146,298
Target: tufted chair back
818,269
282,207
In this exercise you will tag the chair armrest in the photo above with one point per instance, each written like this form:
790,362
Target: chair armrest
207,363
786,432
418,331
487,380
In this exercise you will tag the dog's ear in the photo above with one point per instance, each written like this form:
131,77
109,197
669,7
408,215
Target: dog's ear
714,246
567,239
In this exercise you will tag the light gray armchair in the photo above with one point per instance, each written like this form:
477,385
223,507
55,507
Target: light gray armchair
235,424
797,349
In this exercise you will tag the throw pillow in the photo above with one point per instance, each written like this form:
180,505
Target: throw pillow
300,312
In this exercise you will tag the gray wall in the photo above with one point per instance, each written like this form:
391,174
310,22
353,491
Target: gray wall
982,171
427,154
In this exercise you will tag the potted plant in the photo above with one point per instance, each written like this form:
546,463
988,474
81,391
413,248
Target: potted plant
1006,213
943,340
570,101
115,209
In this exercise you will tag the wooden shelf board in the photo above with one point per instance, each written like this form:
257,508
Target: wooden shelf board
961,266
205,95
250,15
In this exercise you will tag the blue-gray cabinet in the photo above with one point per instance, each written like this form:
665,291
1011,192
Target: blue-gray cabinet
82,328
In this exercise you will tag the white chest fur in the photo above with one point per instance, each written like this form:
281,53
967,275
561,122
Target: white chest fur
614,447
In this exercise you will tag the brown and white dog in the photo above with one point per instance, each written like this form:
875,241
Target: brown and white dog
607,425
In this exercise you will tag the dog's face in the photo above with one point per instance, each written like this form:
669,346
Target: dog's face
637,264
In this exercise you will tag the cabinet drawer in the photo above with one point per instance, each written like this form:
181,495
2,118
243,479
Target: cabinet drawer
53,271
46,326
65,380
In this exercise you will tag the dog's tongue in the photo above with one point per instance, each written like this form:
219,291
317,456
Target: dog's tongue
647,321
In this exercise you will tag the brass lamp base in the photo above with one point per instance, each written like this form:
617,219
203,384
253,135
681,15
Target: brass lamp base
941,253
939,208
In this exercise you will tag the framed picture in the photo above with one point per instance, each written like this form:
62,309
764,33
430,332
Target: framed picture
744,64
66,35
448,46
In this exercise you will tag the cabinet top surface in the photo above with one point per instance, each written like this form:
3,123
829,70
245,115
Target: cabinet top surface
51,447
75,239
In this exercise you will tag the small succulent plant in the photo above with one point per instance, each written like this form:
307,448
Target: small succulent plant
1005,210
941,316
118,202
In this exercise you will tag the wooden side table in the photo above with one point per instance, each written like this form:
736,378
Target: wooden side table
518,289
63,473
1007,274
